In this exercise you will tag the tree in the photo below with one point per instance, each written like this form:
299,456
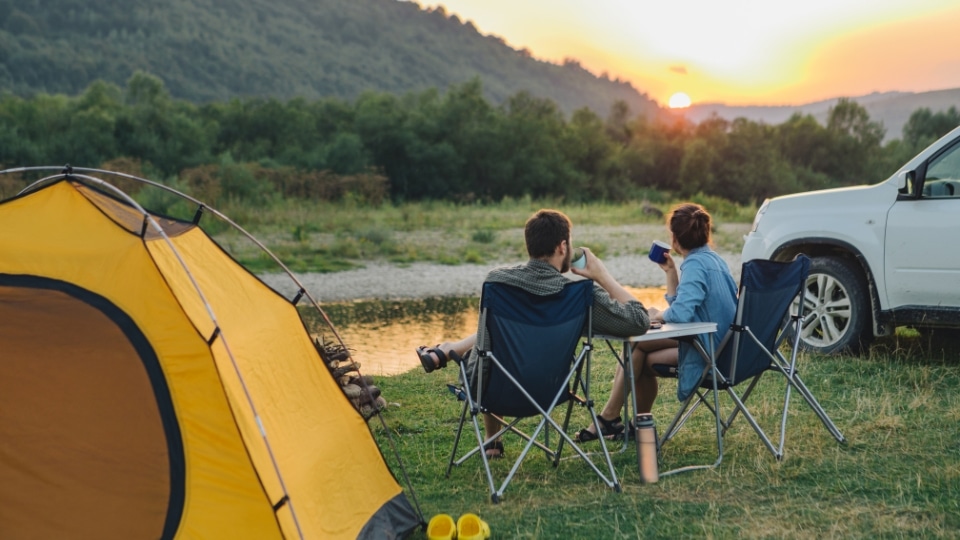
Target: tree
533,128
381,122
656,151
750,166
850,118
161,132
697,168
473,126
92,118
923,127
618,122
854,144
593,155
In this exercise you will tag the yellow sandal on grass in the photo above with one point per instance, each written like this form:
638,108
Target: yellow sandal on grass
441,527
471,527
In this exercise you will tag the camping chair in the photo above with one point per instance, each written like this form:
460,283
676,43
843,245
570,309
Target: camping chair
530,364
751,348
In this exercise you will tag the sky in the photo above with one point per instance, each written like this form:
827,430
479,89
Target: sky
738,52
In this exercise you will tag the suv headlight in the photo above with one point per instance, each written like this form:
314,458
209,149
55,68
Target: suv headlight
760,213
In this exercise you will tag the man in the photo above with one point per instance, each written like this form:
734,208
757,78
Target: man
548,239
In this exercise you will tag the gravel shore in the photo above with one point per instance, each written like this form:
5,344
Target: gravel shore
625,247
384,281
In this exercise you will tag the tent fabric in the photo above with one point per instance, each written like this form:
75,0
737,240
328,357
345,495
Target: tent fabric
132,406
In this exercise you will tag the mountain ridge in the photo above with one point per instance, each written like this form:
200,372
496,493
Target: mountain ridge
207,50
216,50
893,109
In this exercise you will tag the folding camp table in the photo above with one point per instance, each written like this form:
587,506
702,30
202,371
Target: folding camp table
679,331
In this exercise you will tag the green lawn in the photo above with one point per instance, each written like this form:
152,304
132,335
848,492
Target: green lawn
897,477
326,237
898,406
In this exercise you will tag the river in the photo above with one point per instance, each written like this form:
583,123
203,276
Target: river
383,335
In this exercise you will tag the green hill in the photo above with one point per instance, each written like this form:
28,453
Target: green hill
213,50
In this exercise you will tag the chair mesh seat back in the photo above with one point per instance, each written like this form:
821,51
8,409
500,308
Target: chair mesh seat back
534,337
756,344
767,289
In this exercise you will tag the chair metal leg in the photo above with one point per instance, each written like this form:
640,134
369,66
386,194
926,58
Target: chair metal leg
714,376
544,426
753,423
789,371
486,460
797,383
456,440
794,378
630,402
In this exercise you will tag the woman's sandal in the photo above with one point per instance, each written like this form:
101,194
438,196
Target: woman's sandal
610,429
427,361
494,445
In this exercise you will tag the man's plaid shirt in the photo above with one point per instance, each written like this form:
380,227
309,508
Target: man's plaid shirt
610,317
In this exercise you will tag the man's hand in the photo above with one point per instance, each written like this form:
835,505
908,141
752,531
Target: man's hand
594,269
597,271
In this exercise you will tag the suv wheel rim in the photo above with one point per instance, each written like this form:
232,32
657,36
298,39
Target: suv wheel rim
826,308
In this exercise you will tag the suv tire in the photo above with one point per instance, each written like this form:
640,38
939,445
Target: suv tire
836,308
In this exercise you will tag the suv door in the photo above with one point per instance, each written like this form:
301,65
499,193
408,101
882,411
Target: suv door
922,248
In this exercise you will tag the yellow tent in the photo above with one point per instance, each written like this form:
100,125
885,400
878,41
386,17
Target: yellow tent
151,387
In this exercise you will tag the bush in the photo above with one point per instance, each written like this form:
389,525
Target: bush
364,188
484,236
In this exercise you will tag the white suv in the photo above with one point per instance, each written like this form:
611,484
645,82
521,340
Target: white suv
883,256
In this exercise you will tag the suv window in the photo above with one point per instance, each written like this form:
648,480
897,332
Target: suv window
942,180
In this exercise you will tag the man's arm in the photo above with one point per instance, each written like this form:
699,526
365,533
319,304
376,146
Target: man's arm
617,312
597,271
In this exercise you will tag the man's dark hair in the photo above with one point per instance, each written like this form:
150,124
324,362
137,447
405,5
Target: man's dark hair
544,232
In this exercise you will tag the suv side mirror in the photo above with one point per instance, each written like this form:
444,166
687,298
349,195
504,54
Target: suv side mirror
906,182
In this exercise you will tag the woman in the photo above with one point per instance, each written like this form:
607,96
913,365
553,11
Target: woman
703,291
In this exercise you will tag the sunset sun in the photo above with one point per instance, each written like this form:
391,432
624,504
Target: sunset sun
679,100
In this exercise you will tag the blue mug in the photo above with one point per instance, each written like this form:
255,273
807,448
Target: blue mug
659,251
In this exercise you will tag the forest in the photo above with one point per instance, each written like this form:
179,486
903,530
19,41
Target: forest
455,145
214,50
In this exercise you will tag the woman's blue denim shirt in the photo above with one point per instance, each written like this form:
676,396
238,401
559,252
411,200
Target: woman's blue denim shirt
707,292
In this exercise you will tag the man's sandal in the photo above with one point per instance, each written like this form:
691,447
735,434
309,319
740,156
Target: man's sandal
610,429
427,361
494,446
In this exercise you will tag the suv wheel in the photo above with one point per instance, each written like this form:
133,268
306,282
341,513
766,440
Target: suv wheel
836,309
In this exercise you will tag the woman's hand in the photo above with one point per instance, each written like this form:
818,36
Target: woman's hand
668,265
673,278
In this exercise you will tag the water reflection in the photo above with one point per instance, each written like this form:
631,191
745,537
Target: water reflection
383,335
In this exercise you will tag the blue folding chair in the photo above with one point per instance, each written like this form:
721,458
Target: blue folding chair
531,369
750,348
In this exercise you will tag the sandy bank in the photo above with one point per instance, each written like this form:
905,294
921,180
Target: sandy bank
385,281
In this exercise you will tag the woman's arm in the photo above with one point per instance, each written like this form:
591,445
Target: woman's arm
691,291
669,268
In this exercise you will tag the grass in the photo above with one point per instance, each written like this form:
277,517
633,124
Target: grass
329,237
898,476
